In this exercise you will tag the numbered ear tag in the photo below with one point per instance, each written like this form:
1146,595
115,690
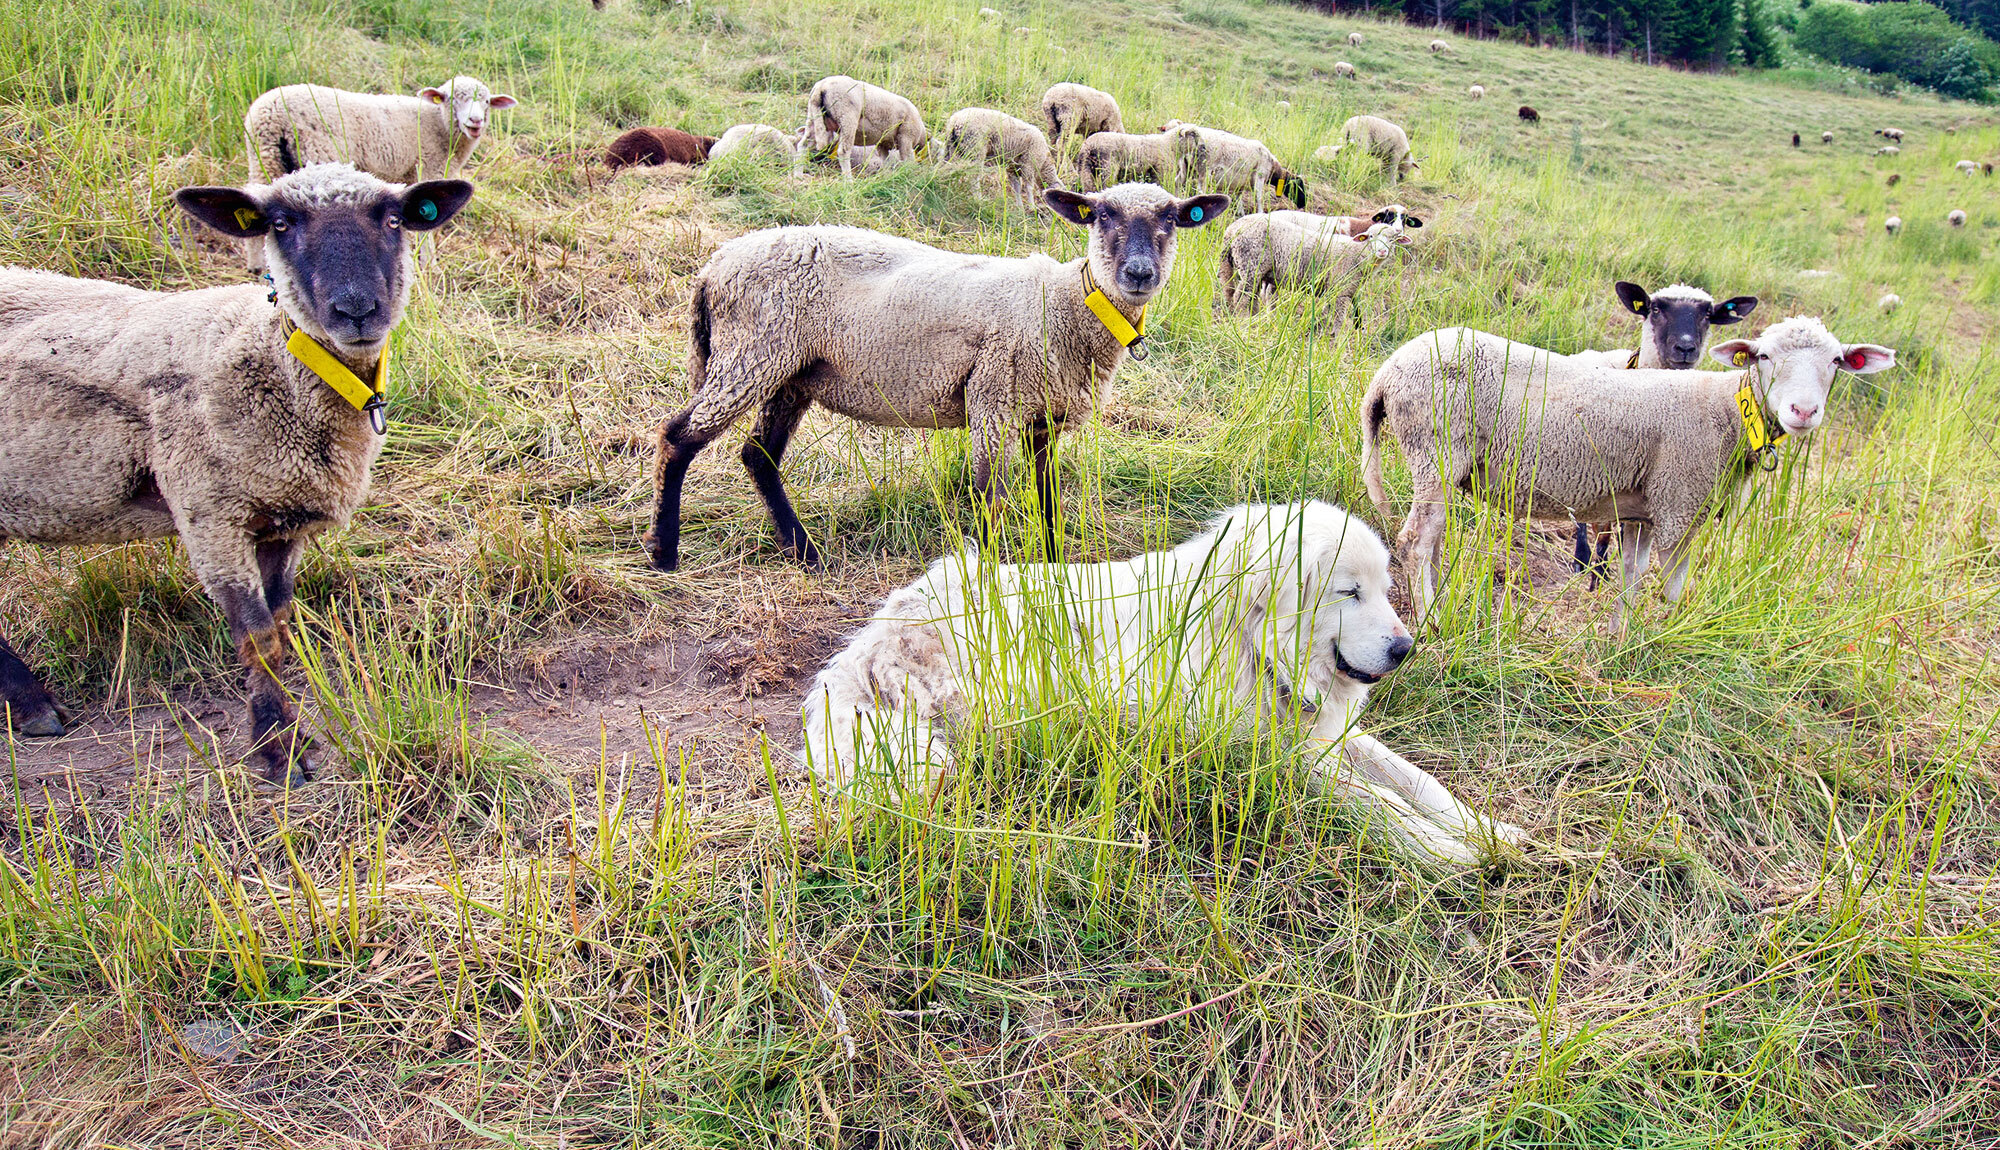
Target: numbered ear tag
1083,211
247,218
1637,306
427,210
1740,358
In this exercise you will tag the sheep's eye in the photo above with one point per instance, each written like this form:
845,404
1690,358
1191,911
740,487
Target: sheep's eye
393,222
279,224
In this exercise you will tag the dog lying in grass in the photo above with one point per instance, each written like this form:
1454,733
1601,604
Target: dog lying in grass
1270,601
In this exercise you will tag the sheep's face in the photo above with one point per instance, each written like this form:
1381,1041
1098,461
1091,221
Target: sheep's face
466,102
1676,321
1337,615
1793,364
1132,233
334,239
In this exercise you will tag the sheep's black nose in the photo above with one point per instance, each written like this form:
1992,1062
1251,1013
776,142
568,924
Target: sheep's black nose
1138,275
356,305
1399,649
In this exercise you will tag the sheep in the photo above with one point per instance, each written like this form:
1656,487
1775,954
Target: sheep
762,137
1967,167
1529,115
899,334
1476,92
1438,46
657,146
1342,70
1795,139
989,14
1108,157
1354,39
1826,137
1894,179
1079,110
1888,150
243,427
1318,254
1890,303
1212,159
1673,328
842,111
1955,217
1986,169
982,134
1894,135
1893,224
1381,139
1541,436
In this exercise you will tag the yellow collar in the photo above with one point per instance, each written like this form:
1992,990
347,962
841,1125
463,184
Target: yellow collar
363,396
1759,443
1114,321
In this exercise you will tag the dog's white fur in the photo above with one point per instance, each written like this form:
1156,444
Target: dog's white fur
1268,600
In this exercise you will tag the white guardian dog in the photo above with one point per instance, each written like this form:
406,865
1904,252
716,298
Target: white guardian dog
1270,601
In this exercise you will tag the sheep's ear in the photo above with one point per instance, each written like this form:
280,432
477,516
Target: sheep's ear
1732,309
1733,352
434,95
1867,358
1633,296
498,102
1193,213
1412,222
431,203
230,211
1072,206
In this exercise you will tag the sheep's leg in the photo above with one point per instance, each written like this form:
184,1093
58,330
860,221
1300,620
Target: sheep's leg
1635,546
761,454
1675,573
278,564
233,572
31,710
846,144
1421,541
679,444
1042,441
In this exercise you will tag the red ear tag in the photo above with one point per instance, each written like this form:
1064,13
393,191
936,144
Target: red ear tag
1856,360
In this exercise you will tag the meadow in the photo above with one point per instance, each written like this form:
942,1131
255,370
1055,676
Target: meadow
561,885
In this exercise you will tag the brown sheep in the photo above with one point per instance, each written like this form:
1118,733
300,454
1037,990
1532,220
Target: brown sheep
657,146
1530,115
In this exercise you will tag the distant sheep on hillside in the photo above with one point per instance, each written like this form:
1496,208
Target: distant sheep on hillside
1956,218
1354,39
1893,224
1477,92
1529,114
1343,70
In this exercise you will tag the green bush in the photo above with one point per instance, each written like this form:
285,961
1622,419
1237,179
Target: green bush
1913,41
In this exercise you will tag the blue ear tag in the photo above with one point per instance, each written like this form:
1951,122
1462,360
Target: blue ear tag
1194,214
426,210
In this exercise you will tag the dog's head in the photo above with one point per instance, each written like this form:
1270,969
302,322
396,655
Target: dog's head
1315,598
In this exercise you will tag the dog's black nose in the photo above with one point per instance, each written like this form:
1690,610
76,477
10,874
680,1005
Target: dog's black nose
1399,649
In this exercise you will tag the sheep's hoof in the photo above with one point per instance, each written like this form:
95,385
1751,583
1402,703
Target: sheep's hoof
662,558
285,759
46,725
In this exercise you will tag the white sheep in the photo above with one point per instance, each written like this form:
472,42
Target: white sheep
1967,167
1890,303
983,134
1342,70
1888,150
1379,138
1211,159
1318,254
1081,111
1893,224
1826,137
1354,39
241,425
899,334
1542,436
842,112
1109,157
989,14
754,137
1894,135
1955,217
1476,92
1438,45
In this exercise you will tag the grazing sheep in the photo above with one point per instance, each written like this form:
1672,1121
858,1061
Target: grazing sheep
1291,610
1795,139
982,134
1893,224
1438,45
1541,436
1826,137
989,14
657,146
758,137
1890,303
1894,179
1476,92
1967,167
895,333
842,112
1986,169
1529,114
1214,160
1081,111
1107,158
1955,217
1894,135
1381,139
1284,105
1354,39
1317,254
1342,70
243,427
1888,150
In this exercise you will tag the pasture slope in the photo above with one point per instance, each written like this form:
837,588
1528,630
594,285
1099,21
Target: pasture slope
554,893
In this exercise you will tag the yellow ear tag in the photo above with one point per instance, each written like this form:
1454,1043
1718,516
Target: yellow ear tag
1637,306
247,218
1083,211
436,99
1741,358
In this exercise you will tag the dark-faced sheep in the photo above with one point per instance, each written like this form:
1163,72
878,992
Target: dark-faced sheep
244,428
895,333
1529,114
657,146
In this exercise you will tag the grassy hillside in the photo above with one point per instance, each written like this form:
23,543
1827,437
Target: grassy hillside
562,887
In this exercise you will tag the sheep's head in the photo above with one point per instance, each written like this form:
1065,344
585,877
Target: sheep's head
1132,234
1675,322
466,102
1793,364
336,242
